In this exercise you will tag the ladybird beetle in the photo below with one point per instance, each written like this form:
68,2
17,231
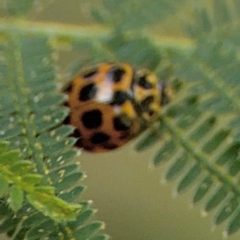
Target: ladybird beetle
112,103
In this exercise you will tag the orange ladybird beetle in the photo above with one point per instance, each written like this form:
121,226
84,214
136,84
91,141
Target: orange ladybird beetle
111,104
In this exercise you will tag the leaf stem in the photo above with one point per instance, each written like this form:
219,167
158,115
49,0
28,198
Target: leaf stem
17,80
72,33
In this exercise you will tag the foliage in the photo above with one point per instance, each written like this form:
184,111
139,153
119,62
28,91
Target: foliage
41,193
193,45
17,172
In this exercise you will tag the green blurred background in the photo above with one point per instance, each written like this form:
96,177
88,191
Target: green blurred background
126,192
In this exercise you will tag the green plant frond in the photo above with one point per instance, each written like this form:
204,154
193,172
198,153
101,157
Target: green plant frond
210,19
133,14
202,23
135,50
31,120
18,173
222,12
200,151
213,74
196,18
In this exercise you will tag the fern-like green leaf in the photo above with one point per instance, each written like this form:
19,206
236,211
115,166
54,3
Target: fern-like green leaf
31,117
204,117
181,160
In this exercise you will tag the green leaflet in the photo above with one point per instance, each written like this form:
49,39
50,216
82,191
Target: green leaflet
53,206
15,198
3,185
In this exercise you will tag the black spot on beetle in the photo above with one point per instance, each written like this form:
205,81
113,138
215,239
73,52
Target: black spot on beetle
122,123
117,74
99,138
92,119
144,83
146,102
67,120
151,113
76,133
119,98
87,92
66,104
79,143
90,73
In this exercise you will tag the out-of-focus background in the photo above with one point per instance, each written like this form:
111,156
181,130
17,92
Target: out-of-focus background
136,205
128,194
